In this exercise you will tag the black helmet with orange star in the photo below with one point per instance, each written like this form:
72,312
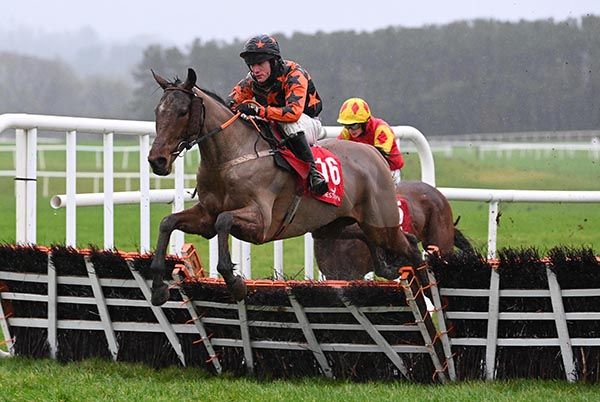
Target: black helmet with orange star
260,48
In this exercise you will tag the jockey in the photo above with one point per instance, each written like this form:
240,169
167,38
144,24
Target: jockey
361,126
286,94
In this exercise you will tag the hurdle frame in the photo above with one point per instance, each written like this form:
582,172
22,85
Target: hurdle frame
433,343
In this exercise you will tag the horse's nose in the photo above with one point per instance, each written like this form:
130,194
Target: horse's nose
158,165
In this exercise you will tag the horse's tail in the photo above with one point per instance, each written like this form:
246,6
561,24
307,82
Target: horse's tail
460,241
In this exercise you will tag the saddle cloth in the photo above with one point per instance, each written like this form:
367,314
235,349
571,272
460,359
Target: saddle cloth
403,210
330,167
326,162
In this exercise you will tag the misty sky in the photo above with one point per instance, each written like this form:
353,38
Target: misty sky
181,21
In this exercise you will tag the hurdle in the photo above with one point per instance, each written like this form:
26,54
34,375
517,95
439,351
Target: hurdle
522,316
57,301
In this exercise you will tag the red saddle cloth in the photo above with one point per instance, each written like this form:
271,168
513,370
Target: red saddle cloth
330,167
405,219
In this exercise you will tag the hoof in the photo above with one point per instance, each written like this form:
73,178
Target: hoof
160,295
237,287
369,276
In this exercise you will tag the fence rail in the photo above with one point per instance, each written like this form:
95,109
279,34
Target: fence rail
522,136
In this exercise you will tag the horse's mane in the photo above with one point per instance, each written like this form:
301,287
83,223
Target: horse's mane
212,94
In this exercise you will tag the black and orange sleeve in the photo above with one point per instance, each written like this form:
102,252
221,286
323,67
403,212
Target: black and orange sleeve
296,88
241,92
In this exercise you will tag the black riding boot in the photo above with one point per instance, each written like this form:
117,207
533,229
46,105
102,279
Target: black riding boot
299,146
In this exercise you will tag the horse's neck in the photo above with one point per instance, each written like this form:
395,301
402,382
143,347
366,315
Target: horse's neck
234,141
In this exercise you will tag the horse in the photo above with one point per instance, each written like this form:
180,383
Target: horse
432,224
241,192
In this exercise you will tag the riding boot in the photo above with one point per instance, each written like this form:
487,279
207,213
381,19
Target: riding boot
300,148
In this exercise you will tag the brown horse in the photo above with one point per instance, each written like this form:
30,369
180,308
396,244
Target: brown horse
246,195
432,223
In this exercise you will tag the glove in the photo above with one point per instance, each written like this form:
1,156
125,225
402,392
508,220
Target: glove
249,109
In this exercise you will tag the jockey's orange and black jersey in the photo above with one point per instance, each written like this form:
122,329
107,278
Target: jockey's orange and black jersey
379,134
284,98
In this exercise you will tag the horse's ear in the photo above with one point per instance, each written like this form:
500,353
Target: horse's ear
161,81
190,80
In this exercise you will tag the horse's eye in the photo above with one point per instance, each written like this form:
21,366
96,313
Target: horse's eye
182,113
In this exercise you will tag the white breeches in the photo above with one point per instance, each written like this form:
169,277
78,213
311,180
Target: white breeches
396,176
310,126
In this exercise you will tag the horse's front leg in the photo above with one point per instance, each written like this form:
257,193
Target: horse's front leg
193,220
250,223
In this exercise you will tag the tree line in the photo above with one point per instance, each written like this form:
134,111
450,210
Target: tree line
40,86
464,77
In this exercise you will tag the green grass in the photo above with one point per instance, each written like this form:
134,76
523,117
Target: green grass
539,225
27,380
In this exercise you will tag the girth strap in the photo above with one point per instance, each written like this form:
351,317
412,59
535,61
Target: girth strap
289,215
244,158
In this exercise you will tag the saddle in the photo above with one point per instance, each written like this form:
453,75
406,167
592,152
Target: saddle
285,159
271,133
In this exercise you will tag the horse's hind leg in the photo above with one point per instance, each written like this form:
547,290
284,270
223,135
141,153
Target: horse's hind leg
380,258
439,232
391,249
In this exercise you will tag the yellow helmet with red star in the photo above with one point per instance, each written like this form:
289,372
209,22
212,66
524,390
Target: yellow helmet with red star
354,110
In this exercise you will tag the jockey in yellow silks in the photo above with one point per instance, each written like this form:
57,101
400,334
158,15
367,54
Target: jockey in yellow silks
361,126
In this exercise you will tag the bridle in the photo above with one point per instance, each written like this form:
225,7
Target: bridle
196,122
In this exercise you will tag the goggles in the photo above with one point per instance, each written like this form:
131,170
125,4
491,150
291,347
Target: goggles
354,126
256,58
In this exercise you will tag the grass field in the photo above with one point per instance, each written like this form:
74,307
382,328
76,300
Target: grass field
28,380
540,225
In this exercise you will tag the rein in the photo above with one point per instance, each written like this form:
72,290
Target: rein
195,128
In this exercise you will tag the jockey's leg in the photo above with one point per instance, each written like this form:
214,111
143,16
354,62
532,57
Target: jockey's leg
300,136
396,176
299,146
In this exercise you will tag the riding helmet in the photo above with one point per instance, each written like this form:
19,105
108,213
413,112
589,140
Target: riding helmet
260,48
354,110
